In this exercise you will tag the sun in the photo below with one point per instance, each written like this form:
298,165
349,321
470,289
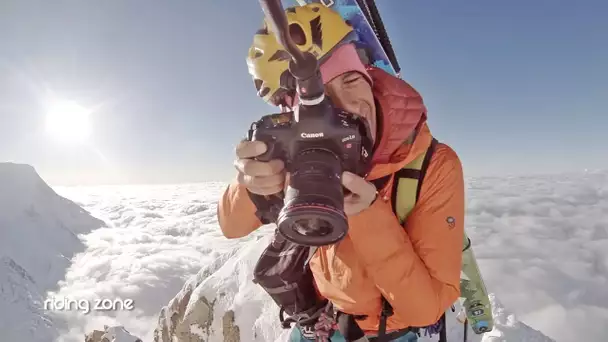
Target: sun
67,121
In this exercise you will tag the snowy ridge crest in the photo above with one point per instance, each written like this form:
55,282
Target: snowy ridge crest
23,317
223,305
38,237
111,334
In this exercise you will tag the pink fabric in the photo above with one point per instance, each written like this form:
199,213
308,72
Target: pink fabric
344,59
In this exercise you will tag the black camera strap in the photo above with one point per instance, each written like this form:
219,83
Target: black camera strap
268,207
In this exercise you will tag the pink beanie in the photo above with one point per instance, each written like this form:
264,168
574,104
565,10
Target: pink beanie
344,59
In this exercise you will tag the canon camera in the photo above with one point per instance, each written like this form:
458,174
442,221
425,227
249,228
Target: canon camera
317,144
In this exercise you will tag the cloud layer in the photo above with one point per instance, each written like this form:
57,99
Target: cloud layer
541,242
542,245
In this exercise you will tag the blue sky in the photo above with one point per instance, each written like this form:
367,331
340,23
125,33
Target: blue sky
514,87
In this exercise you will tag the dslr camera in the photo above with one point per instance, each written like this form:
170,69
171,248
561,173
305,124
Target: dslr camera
317,143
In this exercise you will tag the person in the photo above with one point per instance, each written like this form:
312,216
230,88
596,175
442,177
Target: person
415,267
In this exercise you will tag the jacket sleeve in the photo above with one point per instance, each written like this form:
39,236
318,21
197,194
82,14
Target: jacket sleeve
236,212
417,269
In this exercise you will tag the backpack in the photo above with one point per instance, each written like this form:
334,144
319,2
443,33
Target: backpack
474,298
283,272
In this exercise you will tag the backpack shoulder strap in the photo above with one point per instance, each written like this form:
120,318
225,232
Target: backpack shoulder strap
408,182
405,192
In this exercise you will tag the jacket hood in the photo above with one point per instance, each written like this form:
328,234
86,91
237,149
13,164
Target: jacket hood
403,133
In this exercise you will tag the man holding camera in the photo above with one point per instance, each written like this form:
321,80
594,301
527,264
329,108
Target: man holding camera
413,265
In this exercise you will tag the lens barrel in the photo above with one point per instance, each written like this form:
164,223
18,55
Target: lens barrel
313,213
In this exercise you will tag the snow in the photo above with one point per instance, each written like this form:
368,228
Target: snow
38,237
111,334
229,288
118,334
541,244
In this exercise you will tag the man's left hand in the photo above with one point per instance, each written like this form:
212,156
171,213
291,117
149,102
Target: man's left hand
363,193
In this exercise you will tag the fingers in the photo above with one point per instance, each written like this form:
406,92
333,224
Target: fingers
267,185
262,178
250,149
256,168
361,189
363,193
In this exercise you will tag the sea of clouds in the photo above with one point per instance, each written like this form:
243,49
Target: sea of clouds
541,243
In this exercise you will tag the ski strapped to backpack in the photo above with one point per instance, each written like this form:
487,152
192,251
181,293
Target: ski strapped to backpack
375,21
373,42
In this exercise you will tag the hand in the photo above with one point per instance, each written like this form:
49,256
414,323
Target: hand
363,193
261,178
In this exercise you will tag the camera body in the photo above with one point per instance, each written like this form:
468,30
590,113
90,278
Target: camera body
316,143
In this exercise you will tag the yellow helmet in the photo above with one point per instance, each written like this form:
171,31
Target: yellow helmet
314,28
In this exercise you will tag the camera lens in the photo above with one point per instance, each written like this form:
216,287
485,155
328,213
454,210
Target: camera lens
313,213
315,226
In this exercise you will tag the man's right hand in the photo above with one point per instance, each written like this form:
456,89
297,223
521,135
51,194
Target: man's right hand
261,178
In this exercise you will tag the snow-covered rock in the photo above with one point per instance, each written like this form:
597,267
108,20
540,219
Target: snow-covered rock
22,317
225,305
38,237
506,327
111,334
221,303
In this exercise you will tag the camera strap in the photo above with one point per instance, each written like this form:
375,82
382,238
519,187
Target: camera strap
267,207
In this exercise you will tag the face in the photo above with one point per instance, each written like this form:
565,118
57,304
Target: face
351,92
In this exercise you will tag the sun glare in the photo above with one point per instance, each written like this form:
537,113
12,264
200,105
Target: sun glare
68,121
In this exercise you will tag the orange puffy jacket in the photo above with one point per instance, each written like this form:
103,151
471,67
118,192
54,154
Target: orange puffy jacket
415,267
